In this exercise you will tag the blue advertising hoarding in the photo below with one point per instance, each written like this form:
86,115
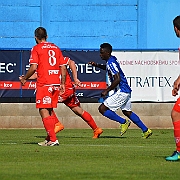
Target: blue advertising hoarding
16,62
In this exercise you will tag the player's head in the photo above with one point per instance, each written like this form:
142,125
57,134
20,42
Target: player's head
40,34
176,23
105,51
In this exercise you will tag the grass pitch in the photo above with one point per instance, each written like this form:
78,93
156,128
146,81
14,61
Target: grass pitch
81,157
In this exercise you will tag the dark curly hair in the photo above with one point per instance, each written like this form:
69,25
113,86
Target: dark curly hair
40,33
107,47
176,22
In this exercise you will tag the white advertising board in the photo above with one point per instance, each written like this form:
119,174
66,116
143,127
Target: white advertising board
150,74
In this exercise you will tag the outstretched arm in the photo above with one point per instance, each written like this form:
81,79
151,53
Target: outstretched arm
63,78
72,66
101,66
29,73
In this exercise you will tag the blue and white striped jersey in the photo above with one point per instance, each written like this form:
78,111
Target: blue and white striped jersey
113,67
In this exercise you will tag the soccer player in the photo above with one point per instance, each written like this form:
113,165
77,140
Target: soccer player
70,99
175,113
121,98
47,60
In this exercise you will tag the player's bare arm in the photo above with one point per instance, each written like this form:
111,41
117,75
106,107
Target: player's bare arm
112,86
34,76
63,78
101,66
29,73
72,66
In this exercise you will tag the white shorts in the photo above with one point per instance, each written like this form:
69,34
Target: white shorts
118,100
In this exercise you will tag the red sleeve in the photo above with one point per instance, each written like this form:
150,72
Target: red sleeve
66,60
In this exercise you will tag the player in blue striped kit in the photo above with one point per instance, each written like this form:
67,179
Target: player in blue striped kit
121,97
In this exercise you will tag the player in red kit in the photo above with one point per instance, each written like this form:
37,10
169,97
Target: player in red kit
48,62
70,99
175,113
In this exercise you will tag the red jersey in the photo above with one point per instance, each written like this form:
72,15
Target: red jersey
48,57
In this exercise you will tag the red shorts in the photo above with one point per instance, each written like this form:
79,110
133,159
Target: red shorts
69,98
47,96
177,105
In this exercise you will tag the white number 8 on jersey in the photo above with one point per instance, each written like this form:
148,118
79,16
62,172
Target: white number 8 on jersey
52,58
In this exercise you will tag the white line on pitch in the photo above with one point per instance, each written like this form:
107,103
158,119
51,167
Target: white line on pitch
8,143
106,145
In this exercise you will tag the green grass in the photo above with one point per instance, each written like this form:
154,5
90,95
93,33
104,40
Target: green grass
81,157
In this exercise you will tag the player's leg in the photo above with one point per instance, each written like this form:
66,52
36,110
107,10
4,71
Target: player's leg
45,109
126,109
55,98
105,111
146,132
74,104
58,125
110,105
48,122
175,115
61,98
89,120
84,115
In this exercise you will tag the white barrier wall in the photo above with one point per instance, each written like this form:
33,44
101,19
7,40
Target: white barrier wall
25,115
150,74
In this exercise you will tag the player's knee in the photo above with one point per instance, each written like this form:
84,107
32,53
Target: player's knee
102,108
127,113
99,109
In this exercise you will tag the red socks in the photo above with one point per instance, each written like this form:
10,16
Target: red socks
177,134
50,121
49,124
90,121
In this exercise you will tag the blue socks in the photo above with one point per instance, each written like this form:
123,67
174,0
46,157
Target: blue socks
136,120
113,116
